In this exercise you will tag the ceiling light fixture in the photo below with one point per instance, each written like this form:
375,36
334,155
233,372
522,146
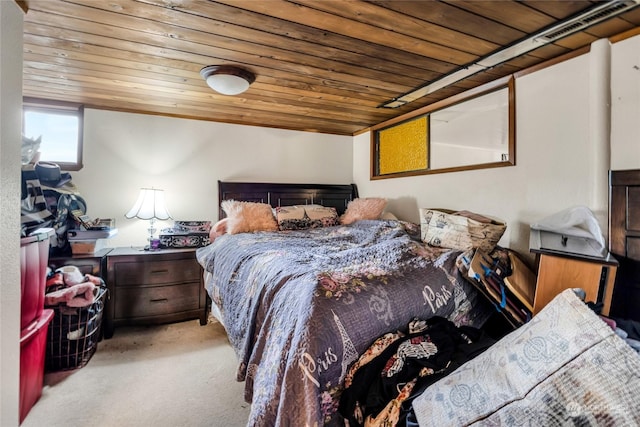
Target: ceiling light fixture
594,15
227,79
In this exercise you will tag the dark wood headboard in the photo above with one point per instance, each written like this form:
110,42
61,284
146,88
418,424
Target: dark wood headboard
279,194
624,241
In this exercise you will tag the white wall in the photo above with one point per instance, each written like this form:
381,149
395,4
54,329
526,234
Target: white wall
124,152
554,156
10,130
625,99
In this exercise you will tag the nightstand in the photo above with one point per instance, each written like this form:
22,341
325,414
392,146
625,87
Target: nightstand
151,287
558,271
95,264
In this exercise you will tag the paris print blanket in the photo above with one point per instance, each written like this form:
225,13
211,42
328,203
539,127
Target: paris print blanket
300,306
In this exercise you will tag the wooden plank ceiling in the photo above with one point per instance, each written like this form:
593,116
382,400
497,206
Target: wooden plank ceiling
320,65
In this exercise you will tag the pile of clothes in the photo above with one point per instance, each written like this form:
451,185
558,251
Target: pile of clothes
381,385
70,287
78,302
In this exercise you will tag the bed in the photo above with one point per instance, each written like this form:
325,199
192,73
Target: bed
301,308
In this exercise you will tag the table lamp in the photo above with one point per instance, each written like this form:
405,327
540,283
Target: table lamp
150,205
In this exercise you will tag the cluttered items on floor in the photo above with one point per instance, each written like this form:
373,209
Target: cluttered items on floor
564,366
505,280
91,236
381,385
568,364
50,199
77,301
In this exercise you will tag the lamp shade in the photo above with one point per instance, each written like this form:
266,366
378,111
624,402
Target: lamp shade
227,79
150,205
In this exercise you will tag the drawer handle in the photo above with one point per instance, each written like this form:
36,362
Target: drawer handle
159,271
162,300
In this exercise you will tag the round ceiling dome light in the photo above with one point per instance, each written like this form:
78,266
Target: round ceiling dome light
227,79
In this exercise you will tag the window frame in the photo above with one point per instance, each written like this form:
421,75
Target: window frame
507,82
59,108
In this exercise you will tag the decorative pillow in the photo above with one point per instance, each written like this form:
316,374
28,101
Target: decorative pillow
246,217
363,208
322,216
218,229
461,230
291,218
301,217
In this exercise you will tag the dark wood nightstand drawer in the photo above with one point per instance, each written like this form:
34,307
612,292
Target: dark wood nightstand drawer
156,272
152,287
157,300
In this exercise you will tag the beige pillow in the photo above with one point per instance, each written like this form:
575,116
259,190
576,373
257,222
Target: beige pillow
363,208
460,230
246,217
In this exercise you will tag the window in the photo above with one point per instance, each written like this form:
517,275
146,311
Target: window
59,127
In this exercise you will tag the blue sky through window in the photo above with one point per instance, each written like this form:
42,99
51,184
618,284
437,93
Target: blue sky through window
59,134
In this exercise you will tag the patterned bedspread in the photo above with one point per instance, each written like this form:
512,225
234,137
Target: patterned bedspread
300,306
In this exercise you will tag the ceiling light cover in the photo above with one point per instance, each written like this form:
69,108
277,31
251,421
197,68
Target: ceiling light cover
227,79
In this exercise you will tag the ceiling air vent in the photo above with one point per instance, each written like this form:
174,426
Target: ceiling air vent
599,13
587,19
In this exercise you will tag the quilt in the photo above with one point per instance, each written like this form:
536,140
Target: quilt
565,367
300,306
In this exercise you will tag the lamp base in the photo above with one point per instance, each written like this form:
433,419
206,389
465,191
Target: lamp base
153,246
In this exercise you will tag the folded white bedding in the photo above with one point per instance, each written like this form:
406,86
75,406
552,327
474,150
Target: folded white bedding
565,367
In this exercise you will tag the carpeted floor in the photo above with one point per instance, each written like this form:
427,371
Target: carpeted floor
180,374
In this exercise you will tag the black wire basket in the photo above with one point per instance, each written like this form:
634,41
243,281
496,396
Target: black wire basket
74,334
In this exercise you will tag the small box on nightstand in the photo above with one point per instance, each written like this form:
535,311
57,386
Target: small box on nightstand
84,242
186,234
